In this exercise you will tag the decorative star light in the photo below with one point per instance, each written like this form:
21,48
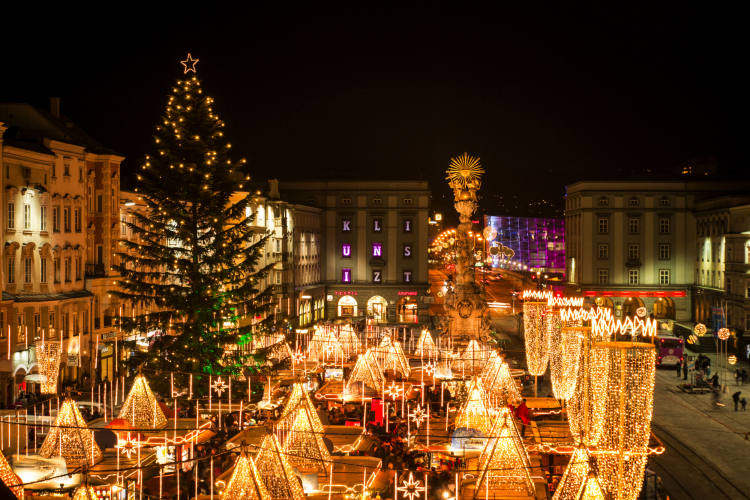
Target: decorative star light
299,357
419,415
219,386
641,312
128,446
411,488
189,64
394,390
429,367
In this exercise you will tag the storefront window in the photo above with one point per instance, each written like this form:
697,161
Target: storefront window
347,306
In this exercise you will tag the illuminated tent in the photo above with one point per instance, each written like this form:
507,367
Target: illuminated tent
70,438
141,408
276,472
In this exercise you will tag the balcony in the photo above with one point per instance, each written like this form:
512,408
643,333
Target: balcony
95,271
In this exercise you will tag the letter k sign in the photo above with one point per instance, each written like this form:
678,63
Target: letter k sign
346,225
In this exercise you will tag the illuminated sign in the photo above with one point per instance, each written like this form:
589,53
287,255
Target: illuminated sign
475,222
591,293
345,293
108,335
407,293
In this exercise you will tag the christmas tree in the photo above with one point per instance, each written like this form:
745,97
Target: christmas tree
141,408
245,483
9,478
70,438
276,472
189,276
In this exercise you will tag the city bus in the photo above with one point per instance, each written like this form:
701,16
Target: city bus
670,349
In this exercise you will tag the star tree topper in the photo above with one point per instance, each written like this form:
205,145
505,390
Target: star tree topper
189,64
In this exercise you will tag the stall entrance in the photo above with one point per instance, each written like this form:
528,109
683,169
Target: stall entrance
406,309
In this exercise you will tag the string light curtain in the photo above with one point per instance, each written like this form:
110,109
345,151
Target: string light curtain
141,408
585,417
246,483
565,352
628,402
474,413
48,357
276,471
426,347
9,478
472,359
534,332
70,438
366,370
504,464
304,444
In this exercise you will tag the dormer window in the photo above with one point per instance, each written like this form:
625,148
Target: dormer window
634,200
407,200
664,201
377,200
603,201
346,200
311,201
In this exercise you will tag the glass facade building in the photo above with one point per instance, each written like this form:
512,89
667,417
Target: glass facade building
537,243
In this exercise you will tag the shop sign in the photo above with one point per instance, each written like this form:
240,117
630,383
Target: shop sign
407,293
621,293
346,293
109,335
329,298
72,360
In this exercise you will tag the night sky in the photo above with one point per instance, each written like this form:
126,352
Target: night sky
546,96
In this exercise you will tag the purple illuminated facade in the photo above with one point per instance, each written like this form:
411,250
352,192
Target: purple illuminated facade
537,243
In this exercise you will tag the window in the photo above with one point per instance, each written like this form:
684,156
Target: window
346,200
311,201
99,254
66,170
664,201
663,226
66,219
56,219
11,215
277,243
27,270
377,275
729,285
747,290
407,225
377,225
43,270
278,277
99,204
64,325
377,200
346,250
664,276
407,275
27,217
346,275
80,174
603,276
51,326
407,251
633,226
11,270
43,219
603,226
78,220
37,326
603,201
407,200
3,334
634,201
664,251
633,277
123,227
78,268
377,249
346,225
21,328
112,201
632,251
603,251
67,269
91,200
57,270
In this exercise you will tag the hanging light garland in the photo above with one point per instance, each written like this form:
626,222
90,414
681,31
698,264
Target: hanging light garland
48,355
628,408
535,331
637,327
565,354
585,417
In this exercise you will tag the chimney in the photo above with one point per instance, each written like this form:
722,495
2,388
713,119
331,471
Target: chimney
54,106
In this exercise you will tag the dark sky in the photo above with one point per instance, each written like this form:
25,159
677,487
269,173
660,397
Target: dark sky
545,95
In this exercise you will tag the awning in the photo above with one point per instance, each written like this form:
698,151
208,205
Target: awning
32,377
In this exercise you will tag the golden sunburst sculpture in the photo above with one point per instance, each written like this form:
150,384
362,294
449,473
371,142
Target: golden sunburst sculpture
464,172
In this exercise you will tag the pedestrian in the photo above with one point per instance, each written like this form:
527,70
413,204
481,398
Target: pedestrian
684,370
743,402
736,399
744,376
679,368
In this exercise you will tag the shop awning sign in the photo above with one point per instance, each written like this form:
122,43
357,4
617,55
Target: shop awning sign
72,360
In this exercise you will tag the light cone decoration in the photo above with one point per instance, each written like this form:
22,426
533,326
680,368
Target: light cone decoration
276,472
9,478
141,409
395,359
504,464
585,416
48,357
304,446
280,350
474,413
565,352
575,475
472,359
349,341
85,492
591,489
383,349
426,347
70,438
503,385
535,337
298,396
246,483
324,344
366,370
628,408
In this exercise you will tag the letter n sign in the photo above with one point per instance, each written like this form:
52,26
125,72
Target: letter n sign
346,225
377,275
377,250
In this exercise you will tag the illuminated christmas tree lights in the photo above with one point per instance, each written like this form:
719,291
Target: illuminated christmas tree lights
349,341
472,360
474,413
9,478
575,475
246,483
276,472
70,438
304,446
395,359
